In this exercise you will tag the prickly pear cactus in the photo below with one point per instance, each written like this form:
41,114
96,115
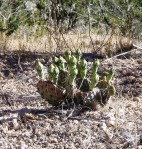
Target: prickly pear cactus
67,80
46,90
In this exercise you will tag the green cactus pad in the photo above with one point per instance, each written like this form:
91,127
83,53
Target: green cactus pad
110,74
41,70
72,61
50,72
62,60
61,64
94,76
96,64
68,55
78,54
83,69
55,74
56,60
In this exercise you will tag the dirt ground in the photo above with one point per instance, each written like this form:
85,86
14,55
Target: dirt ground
27,121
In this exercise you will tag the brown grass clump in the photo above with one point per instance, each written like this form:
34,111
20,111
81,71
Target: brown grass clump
106,45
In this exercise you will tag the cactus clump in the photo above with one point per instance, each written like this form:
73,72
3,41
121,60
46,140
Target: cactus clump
67,79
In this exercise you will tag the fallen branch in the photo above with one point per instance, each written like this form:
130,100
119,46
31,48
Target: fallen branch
135,48
37,114
19,63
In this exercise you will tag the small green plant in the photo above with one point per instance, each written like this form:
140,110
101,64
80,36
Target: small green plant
67,80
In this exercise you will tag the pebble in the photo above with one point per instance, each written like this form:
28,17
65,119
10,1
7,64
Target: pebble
127,72
137,99
103,126
110,122
76,122
23,145
97,115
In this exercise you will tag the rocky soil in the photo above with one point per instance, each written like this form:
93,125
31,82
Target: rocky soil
28,122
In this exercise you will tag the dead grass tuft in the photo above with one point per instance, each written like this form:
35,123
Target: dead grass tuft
106,45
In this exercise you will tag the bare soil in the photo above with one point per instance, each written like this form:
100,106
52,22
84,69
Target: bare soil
27,121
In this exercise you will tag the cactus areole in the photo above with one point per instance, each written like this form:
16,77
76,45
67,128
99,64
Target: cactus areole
66,79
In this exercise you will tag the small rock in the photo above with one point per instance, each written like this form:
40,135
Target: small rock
97,115
139,147
136,99
127,72
132,79
110,122
15,123
109,136
139,80
103,126
54,140
75,122
22,145
140,140
124,72
121,112
1,144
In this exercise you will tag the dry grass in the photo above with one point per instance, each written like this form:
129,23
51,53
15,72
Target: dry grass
105,44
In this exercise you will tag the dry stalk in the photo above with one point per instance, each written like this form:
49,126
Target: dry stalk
90,28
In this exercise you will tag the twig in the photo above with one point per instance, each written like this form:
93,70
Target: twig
90,27
134,46
22,111
103,41
5,97
137,47
65,40
19,63
55,39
